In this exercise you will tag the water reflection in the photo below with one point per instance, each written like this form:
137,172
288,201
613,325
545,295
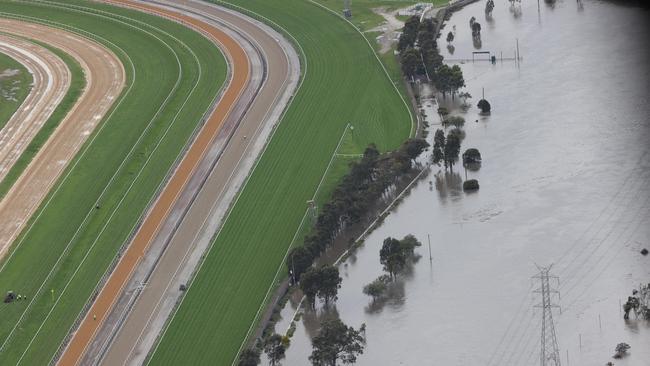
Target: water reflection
449,184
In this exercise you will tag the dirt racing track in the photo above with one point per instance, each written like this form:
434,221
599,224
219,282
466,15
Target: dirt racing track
130,312
51,82
105,78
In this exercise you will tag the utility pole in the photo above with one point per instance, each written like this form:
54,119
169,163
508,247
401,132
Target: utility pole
429,239
549,353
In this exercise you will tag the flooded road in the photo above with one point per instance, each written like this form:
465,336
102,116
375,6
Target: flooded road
564,181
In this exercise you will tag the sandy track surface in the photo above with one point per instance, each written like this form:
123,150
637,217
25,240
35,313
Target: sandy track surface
51,81
160,211
138,313
105,78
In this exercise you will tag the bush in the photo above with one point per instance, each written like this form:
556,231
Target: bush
484,106
456,121
457,133
471,155
470,185
377,287
644,251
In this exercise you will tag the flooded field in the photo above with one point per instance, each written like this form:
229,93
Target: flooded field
564,181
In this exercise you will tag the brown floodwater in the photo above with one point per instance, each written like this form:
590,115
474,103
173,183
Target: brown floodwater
564,181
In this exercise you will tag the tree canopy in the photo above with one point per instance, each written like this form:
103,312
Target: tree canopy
336,342
249,357
323,283
274,348
394,254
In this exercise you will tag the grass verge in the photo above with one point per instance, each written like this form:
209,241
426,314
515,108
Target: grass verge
343,83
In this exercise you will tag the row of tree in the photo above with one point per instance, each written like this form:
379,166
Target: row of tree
446,149
419,56
335,342
358,192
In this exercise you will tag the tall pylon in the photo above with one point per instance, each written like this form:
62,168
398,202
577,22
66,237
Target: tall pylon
549,353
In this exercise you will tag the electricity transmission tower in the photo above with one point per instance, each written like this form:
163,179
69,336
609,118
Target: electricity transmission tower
549,354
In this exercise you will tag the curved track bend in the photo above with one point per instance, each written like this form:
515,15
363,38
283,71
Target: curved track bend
130,312
51,81
105,79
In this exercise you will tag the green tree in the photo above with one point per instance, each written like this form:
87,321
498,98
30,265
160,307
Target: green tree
456,80
411,62
484,106
391,256
408,244
438,147
450,37
336,342
377,287
274,348
330,283
298,261
452,149
443,79
309,284
414,147
249,357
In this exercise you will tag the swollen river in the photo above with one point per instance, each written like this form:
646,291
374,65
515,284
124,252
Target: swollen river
564,181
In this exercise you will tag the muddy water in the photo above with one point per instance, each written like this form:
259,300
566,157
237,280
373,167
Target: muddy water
564,180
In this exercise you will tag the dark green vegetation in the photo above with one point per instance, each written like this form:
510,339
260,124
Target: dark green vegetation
484,106
377,287
71,244
249,357
14,86
337,342
323,282
353,199
77,84
420,57
343,83
275,348
446,149
470,185
395,254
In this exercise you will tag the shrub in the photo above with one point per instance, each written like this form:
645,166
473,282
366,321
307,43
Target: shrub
470,185
484,106
456,121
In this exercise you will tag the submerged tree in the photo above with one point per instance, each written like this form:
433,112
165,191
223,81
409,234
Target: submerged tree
450,37
452,149
438,147
377,287
249,357
274,348
321,282
484,106
395,254
336,342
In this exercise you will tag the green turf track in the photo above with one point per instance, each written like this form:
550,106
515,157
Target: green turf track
344,82
9,107
60,253
77,83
